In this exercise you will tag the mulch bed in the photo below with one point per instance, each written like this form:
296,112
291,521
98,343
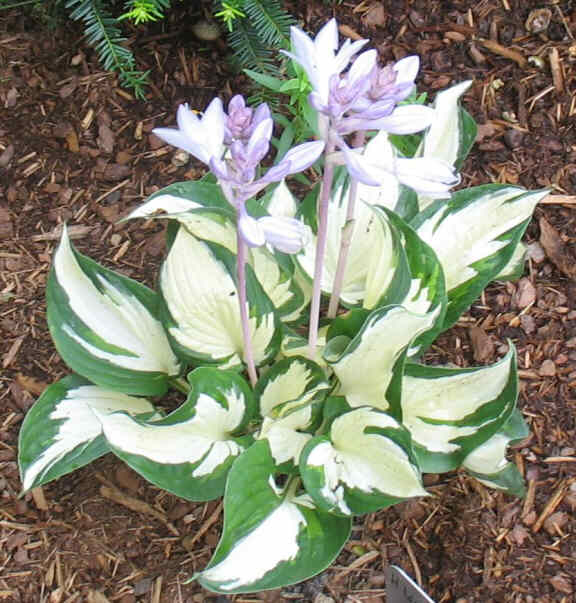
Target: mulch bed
76,148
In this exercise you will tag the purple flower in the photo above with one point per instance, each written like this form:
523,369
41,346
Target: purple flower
287,235
426,176
296,160
233,146
242,120
405,119
394,82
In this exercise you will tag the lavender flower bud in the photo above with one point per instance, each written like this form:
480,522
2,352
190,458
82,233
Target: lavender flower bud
250,230
287,235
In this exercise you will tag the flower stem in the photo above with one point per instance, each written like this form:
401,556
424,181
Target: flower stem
346,240
244,318
320,250
180,384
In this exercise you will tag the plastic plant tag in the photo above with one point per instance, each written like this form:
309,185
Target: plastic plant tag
400,588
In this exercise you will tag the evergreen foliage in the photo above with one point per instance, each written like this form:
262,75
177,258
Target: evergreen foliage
103,33
264,26
256,28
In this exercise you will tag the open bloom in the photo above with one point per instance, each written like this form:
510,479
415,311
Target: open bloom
373,94
425,176
202,137
406,119
234,144
320,58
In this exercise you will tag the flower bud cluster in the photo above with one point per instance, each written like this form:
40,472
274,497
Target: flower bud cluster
357,95
233,146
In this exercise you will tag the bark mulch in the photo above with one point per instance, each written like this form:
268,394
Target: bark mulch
76,148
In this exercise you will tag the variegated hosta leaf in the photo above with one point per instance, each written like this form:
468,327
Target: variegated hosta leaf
301,284
474,236
488,463
376,266
450,412
272,537
181,197
273,270
451,134
276,273
514,269
190,451
427,287
367,365
105,325
294,344
61,433
200,296
282,203
365,464
288,394
446,138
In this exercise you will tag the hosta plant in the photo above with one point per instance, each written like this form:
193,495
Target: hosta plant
294,329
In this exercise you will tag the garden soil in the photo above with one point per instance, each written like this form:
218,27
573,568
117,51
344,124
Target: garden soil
77,148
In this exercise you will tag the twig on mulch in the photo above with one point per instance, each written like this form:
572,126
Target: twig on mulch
206,525
505,52
559,200
111,492
556,69
413,560
551,505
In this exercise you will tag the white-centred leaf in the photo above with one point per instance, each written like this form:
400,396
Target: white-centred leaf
445,139
490,457
180,197
277,535
166,203
61,432
365,464
209,226
442,139
282,203
287,394
487,463
450,412
303,285
273,274
214,223
366,367
201,298
514,269
294,344
372,256
418,284
273,536
105,325
279,282
190,451
471,228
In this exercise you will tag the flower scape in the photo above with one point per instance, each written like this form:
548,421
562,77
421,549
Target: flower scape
294,328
